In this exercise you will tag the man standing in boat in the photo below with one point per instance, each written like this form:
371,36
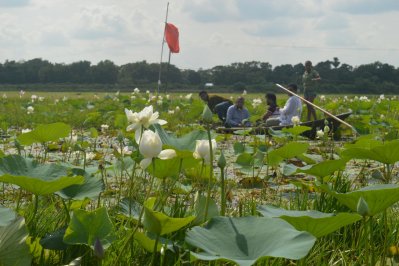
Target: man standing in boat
309,80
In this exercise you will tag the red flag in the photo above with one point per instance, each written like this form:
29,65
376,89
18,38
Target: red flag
172,37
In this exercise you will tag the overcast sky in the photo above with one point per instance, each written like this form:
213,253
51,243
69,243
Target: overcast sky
212,32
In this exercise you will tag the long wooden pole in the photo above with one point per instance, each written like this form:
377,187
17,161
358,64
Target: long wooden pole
319,108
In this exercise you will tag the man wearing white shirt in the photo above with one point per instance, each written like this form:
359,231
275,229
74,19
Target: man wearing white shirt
293,107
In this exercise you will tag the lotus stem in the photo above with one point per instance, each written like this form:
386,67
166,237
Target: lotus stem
222,193
208,196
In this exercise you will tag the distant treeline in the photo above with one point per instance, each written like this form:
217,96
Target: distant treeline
38,74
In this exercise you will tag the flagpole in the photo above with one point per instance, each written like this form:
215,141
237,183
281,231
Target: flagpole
319,108
167,72
163,42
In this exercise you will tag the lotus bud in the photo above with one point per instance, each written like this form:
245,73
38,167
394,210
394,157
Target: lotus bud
362,207
326,129
207,114
222,161
162,250
98,249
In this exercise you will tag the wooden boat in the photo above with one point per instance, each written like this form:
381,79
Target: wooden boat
314,125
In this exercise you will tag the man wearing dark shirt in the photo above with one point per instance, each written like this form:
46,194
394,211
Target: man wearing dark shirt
217,104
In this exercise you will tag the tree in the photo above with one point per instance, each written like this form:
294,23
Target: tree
105,72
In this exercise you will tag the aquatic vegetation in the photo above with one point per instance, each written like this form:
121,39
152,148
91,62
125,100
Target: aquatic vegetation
142,179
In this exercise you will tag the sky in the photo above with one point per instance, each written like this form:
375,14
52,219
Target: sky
212,32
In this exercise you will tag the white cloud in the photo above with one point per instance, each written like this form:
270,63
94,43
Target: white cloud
212,32
13,3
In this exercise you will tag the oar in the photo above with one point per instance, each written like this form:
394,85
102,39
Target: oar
319,108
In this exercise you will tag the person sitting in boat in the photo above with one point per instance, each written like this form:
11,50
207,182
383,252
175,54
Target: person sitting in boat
217,104
238,115
272,110
292,108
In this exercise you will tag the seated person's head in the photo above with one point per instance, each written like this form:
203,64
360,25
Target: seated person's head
271,99
292,87
240,102
204,96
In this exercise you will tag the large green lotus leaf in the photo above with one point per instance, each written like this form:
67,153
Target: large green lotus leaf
146,242
91,188
387,153
325,168
244,160
13,248
161,224
200,206
245,240
87,226
172,167
186,142
287,151
54,240
40,179
296,130
45,133
317,223
130,208
377,197
6,216
365,142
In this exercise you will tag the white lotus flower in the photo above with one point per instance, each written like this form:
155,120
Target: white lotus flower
295,120
171,112
189,96
30,109
202,150
167,96
136,90
90,156
244,92
151,147
21,93
104,127
133,97
26,130
33,97
320,133
73,139
364,99
143,119
177,109
4,96
256,102
125,150
41,98
322,98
